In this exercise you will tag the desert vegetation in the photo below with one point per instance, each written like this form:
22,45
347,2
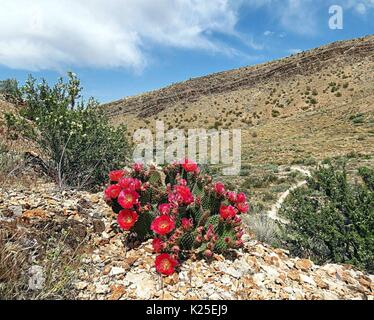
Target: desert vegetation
75,139
332,219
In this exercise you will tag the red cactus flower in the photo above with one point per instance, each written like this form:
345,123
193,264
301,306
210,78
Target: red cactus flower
187,224
137,167
116,175
189,165
219,188
227,212
127,218
241,197
183,195
130,183
243,207
163,225
164,208
128,198
232,196
158,245
112,191
165,264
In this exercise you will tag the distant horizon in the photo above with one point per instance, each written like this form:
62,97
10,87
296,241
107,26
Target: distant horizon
122,49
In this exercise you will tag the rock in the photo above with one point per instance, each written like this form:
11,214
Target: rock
37,278
95,198
330,269
167,296
117,291
320,283
303,264
70,204
98,225
16,210
232,271
259,279
271,272
144,284
35,213
215,296
102,288
81,285
294,275
329,296
307,279
116,270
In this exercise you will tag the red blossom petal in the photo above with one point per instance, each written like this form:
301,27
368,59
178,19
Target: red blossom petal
127,218
163,225
189,165
127,198
112,191
227,212
165,264
116,175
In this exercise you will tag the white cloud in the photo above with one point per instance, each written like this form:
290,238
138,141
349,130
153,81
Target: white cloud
268,33
53,34
296,16
294,51
360,8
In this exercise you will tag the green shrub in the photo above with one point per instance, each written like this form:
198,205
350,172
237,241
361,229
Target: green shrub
74,136
275,113
331,219
358,118
10,91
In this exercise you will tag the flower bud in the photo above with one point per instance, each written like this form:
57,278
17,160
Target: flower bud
175,249
208,253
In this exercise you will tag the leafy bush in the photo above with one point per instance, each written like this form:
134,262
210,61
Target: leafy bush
10,91
331,219
180,207
75,136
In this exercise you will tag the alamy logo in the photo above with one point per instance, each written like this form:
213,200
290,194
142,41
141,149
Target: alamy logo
173,145
336,19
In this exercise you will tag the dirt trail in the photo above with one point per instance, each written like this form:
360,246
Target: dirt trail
273,212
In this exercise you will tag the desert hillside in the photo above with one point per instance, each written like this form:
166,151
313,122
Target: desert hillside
315,104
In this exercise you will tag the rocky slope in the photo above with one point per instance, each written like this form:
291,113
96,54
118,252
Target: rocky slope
101,266
312,105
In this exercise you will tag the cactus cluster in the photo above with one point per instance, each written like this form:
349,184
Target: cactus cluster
181,208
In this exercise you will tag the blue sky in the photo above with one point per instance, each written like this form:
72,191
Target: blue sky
121,48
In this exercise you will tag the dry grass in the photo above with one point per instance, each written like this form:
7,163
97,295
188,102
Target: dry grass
263,228
21,248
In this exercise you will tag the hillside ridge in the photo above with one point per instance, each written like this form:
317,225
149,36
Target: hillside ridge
189,91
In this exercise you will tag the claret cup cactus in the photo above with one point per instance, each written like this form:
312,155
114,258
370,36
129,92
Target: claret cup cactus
180,208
